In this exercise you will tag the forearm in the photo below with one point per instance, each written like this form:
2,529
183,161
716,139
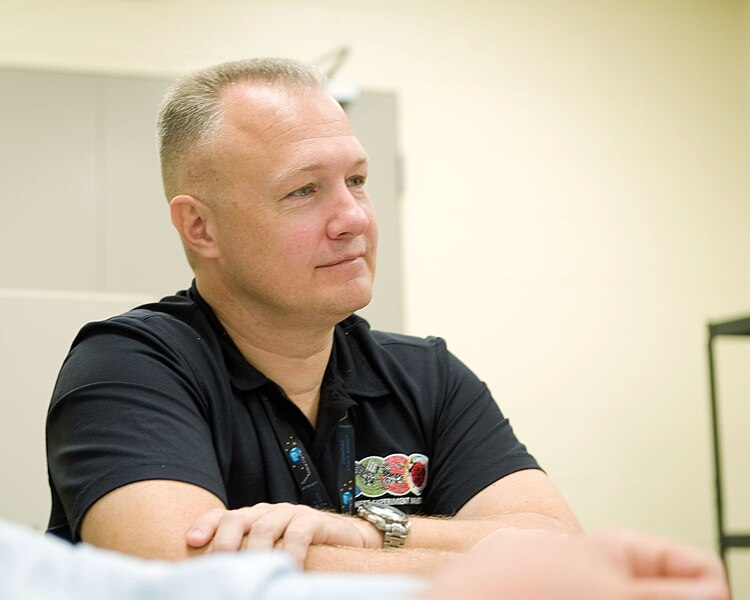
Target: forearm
458,534
523,500
416,561
431,544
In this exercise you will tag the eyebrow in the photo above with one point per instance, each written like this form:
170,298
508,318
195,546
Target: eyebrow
281,177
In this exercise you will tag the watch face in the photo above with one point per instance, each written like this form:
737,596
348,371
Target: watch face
386,511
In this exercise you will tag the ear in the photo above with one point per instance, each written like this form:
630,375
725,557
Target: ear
195,223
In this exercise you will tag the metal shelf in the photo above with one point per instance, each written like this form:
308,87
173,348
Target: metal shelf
735,327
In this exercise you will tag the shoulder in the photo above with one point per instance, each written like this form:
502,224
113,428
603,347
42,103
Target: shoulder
172,335
174,319
377,360
375,347
358,331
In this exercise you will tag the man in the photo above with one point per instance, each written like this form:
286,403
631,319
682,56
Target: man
615,566
249,410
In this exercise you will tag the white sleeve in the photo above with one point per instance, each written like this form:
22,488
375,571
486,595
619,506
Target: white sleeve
35,566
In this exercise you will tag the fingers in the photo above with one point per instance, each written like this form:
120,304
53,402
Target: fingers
299,527
204,528
235,525
265,526
294,526
666,570
299,535
650,556
224,528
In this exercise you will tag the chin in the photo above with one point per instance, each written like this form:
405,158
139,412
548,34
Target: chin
348,305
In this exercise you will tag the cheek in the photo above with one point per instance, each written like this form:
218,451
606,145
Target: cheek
373,228
243,241
372,231
297,242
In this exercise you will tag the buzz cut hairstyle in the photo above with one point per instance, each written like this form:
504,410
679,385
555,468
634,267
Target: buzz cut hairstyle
191,113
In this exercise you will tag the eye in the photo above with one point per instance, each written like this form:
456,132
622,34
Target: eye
302,192
356,181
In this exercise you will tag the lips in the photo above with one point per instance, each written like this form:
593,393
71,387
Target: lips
346,258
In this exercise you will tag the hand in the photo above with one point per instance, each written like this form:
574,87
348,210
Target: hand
662,569
289,527
530,565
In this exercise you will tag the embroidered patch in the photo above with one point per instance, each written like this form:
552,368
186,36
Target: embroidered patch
395,475
416,473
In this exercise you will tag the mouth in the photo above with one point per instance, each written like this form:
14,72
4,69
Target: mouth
343,260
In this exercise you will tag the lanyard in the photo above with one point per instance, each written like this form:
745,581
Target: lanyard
305,474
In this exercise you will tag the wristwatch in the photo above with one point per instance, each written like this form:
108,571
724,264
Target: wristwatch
393,522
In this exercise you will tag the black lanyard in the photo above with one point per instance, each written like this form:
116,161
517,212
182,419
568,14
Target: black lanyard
306,475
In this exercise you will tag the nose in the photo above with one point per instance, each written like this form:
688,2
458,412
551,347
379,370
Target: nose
351,213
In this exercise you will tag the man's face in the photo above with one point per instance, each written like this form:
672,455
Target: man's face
292,218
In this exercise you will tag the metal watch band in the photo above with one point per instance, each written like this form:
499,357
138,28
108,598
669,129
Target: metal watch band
392,522
394,535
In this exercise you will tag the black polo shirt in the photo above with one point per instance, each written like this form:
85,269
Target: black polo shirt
161,392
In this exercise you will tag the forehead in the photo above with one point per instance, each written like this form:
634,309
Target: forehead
268,118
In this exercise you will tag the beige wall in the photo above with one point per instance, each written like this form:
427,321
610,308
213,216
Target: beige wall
576,203
28,365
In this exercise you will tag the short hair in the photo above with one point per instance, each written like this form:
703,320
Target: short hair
190,112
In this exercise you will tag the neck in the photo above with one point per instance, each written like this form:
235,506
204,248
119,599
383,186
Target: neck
293,353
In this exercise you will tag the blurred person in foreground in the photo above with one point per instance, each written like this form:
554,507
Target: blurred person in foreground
507,565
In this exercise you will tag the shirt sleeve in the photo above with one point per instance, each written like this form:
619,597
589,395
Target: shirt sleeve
473,443
36,566
127,406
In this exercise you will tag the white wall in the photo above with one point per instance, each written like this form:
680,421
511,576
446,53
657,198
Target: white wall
576,200
37,329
